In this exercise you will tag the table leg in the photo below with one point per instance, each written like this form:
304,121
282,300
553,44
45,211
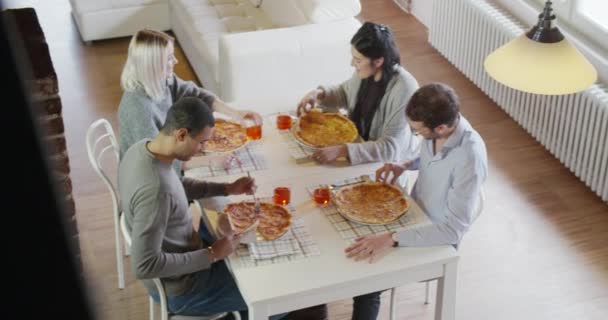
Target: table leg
258,312
393,307
445,306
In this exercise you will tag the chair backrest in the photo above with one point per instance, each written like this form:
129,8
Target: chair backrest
100,140
159,285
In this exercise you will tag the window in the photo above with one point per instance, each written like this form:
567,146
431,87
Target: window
591,17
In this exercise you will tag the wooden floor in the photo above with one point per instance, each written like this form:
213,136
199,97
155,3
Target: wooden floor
539,251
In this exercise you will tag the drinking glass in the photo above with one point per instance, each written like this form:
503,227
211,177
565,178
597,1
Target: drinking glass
282,196
321,195
284,122
254,131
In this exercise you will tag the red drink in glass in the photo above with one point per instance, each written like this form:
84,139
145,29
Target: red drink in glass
283,122
254,132
281,196
321,195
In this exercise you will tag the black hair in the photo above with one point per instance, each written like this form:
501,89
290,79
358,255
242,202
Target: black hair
190,113
376,41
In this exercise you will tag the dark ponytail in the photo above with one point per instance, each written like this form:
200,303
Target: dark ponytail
376,41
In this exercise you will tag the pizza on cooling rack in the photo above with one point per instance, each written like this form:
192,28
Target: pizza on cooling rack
371,203
227,136
274,220
317,129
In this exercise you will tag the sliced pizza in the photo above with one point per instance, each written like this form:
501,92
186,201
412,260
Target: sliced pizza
274,220
241,216
227,136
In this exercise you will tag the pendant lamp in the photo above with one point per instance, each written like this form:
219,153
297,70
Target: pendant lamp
541,61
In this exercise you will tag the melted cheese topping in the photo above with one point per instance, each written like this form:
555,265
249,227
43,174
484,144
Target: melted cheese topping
325,129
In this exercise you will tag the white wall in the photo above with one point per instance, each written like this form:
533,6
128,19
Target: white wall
423,10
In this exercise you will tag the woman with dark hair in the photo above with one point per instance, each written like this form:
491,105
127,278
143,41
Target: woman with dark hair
374,98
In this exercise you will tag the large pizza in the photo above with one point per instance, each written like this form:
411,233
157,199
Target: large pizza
317,129
227,136
273,220
371,203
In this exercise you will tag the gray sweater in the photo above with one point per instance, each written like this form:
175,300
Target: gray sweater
390,137
155,204
140,117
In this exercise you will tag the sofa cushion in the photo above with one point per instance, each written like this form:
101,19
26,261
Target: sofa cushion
218,2
84,6
318,11
289,13
207,20
284,13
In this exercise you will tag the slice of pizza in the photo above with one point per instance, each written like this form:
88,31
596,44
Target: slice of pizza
241,216
227,136
273,220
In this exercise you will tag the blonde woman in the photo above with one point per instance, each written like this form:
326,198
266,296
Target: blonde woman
150,88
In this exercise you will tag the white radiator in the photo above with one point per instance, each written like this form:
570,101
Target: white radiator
574,128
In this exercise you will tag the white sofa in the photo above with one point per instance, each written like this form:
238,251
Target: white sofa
262,58
104,19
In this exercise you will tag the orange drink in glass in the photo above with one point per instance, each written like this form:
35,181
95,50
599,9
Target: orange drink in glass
284,121
321,195
282,196
254,132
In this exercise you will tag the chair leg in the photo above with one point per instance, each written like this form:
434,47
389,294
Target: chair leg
127,249
426,293
393,305
119,259
151,308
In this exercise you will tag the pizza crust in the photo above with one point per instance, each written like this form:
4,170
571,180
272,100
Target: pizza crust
372,203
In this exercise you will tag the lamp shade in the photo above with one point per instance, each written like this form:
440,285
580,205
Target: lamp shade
542,61
542,68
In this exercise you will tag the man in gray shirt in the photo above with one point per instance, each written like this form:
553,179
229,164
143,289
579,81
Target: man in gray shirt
452,167
155,204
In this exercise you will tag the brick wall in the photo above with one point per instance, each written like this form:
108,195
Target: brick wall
47,107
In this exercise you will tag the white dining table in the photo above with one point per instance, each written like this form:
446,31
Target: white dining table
281,287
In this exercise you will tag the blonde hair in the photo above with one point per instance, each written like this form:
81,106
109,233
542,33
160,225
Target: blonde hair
146,64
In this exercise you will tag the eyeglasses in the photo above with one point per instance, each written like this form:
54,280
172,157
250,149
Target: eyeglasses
417,132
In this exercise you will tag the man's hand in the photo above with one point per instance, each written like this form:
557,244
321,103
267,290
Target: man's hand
309,101
370,247
330,154
253,116
242,185
396,170
225,246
